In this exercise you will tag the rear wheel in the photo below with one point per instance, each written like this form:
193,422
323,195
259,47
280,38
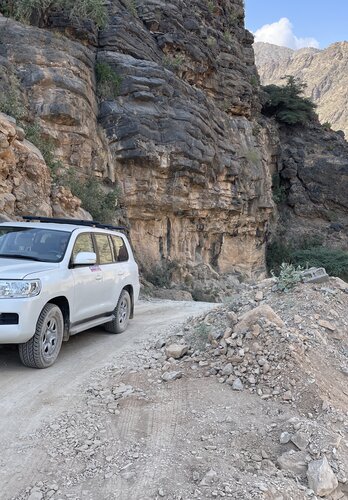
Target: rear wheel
122,312
43,348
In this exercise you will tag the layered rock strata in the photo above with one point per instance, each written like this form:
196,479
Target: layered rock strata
178,139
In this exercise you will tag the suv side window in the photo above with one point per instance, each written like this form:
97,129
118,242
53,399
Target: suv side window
83,243
104,249
120,249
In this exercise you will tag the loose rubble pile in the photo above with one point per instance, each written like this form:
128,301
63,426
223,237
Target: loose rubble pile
288,347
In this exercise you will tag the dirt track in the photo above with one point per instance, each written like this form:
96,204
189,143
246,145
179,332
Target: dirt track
30,398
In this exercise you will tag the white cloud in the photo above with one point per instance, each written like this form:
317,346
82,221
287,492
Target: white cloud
281,33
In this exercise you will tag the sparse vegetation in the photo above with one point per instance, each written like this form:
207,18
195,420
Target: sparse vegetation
252,156
101,204
45,144
289,276
160,275
108,81
173,62
11,101
278,190
254,81
211,41
210,5
327,126
39,10
132,7
287,103
227,36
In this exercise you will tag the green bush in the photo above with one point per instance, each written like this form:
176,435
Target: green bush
310,253
26,10
333,260
288,277
160,275
278,190
327,125
287,103
99,203
108,81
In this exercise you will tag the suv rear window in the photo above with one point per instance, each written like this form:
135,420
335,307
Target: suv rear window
120,249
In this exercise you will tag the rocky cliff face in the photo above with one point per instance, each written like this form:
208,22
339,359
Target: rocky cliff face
25,180
324,71
312,165
179,138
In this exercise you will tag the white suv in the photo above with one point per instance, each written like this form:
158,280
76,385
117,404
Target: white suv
59,277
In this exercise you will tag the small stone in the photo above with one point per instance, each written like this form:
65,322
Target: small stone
259,296
284,437
195,476
321,478
35,495
209,478
227,334
230,380
176,351
227,370
300,439
161,492
256,330
297,319
159,344
327,325
287,396
168,376
237,385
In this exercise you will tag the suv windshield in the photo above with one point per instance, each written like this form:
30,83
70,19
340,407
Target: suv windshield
45,245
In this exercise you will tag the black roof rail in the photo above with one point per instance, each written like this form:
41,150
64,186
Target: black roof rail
75,222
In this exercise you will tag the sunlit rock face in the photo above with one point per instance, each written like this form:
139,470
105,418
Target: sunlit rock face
180,138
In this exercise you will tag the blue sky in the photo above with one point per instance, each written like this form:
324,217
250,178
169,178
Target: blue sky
310,22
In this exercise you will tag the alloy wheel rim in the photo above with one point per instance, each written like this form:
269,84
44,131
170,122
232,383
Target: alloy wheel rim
50,338
123,311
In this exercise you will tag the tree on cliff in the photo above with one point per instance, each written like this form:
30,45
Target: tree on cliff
287,104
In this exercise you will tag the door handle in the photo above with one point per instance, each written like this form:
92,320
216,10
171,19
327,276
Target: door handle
98,278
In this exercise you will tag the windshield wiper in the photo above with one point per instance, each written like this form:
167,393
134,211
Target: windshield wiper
18,256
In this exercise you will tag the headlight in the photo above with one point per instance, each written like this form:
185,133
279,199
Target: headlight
15,289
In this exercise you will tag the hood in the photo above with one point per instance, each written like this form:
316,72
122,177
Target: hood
16,269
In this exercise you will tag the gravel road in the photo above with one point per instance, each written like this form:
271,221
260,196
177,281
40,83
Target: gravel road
29,398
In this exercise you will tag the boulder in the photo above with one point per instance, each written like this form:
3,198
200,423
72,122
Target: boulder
321,478
251,317
176,351
294,461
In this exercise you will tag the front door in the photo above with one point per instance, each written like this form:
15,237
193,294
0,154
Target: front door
88,279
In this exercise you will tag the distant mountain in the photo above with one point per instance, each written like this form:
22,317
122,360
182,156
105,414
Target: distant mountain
324,71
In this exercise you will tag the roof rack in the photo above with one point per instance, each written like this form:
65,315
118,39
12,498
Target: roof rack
75,222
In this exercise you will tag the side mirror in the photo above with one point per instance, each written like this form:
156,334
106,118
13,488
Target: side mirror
85,259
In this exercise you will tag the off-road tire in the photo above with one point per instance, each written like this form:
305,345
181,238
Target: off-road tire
43,348
122,313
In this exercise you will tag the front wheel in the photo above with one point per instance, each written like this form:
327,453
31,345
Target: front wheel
121,313
43,348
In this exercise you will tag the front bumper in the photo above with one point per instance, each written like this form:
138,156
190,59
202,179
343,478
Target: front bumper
28,311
